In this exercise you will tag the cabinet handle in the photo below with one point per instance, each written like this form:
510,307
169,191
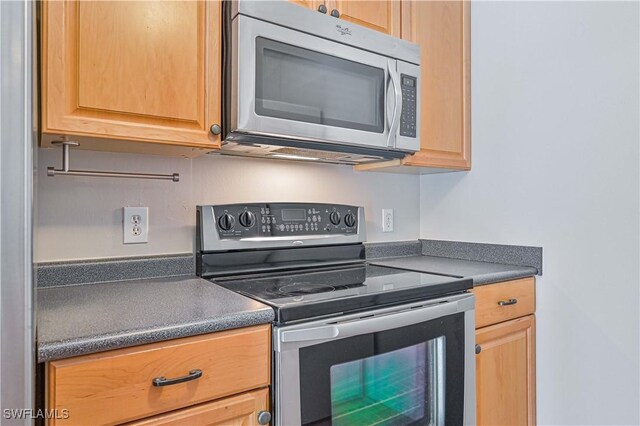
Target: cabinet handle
335,13
478,349
163,381
322,8
215,129
508,302
264,417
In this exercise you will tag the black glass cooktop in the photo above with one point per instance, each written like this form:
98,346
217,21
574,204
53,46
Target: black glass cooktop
304,294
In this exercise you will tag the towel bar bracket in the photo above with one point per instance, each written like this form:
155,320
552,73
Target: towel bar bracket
66,170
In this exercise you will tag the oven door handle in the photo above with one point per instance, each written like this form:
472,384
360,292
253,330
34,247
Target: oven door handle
372,324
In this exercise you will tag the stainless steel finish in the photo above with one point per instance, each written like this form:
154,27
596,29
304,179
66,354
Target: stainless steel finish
249,134
211,241
403,142
470,367
264,417
379,322
397,105
249,122
17,150
438,378
283,13
288,340
65,170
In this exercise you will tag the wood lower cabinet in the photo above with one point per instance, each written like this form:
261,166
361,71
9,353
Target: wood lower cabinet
505,366
505,373
443,31
137,76
239,410
135,383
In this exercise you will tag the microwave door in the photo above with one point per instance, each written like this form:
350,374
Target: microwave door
300,86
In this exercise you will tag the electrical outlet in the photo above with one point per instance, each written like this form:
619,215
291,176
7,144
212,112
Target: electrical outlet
387,220
135,224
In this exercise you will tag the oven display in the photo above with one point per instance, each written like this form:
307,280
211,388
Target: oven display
294,215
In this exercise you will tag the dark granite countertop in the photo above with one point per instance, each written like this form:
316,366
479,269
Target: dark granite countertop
87,318
481,272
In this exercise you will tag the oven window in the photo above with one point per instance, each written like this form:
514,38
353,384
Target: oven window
412,375
400,387
303,85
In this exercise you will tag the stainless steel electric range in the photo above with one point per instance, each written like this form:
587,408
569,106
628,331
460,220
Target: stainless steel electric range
353,343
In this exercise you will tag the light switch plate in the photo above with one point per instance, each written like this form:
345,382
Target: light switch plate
135,225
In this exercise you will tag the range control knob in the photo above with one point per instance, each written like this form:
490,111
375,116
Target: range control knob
247,219
350,220
334,217
226,222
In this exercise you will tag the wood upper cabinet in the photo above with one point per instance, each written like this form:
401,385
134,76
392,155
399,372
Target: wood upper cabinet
505,373
310,4
382,15
379,15
442,29
144,72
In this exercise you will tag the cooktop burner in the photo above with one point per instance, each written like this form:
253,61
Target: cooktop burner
298,289
301,294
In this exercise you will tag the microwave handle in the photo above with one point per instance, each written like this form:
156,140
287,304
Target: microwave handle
394,77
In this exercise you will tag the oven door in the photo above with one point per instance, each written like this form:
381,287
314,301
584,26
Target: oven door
290,84
408,365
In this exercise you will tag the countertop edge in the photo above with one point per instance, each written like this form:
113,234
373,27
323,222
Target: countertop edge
494,278
52,351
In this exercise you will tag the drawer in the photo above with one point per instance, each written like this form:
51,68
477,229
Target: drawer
504,301
234,410
117,386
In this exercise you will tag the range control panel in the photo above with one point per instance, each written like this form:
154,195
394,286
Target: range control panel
284,219
409,105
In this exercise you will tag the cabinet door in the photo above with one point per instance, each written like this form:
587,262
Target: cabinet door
505,373
381,15
239,410
309,4
442,29
145,71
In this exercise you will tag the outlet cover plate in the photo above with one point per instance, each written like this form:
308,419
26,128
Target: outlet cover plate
135,225
387,220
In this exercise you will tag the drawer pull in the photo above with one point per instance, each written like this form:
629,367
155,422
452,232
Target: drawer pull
163,381
508,302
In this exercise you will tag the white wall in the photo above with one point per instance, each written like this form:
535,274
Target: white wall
555,163
81,218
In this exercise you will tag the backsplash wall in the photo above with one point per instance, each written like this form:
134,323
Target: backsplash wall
81,217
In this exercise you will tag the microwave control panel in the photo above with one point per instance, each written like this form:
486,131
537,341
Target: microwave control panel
284,219
409,105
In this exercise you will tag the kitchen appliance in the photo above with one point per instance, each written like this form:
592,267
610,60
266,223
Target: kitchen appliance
18,148
353,343
302,85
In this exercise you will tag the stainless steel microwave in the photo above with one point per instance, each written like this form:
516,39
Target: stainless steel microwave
299,84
